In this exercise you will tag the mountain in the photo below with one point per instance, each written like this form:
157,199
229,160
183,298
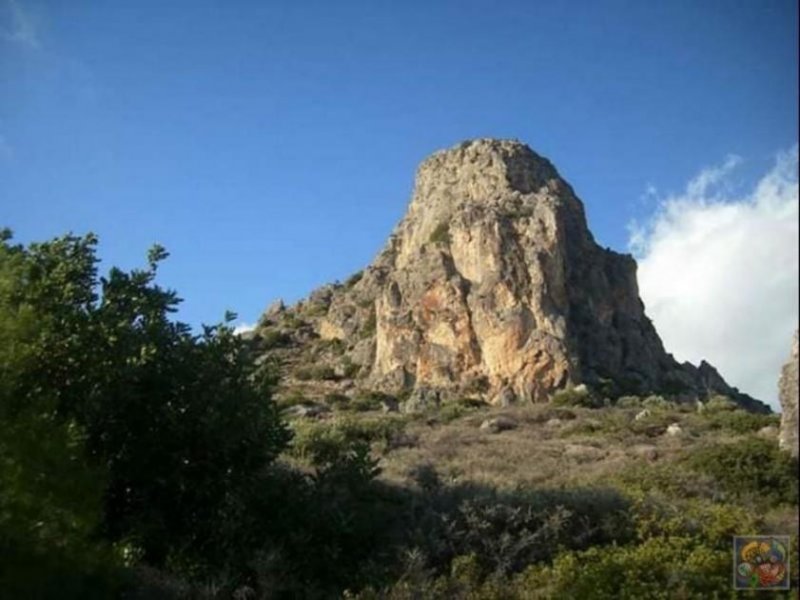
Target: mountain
491,287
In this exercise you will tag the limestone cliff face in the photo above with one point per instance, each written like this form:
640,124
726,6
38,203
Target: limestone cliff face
492,285
788,393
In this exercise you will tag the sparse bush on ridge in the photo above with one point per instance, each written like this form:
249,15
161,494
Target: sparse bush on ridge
274,338
315,372
353,279
579,395
441,234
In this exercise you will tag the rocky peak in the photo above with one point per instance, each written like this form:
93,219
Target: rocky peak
492,286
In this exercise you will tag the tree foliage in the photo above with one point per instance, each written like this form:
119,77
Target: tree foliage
118,421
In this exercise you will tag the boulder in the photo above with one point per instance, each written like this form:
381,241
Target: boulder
307,410
768,432
674,430
498,424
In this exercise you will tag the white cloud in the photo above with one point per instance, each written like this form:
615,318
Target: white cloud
22,28
718,273
243,328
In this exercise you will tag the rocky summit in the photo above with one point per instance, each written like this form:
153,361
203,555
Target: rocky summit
490,287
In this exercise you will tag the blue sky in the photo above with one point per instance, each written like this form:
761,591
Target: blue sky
271,146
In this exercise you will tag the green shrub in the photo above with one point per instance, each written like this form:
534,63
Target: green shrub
752,468
366,401
333,345
315,372
657,403
336,400
349,369
353,279
316,310
717,404
369,326
274,338
577,396
658,568
738,421
290,320
315,441
629,402
507,531
673,480
294,398
441,234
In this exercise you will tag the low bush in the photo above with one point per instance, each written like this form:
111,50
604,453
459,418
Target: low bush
657,402
577,396
291,399
274,338
315,441
370,326
315,372
658,568
717,404
752,468
353,279
737,421
367,401
440,235
336,400
629,402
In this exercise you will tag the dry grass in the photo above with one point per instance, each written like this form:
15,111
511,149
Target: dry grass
584,450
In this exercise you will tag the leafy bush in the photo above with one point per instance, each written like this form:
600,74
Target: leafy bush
737,420
753,468
274,338
717,404
450,411
177,424
658,568
370,325
577,396
366,401
336,400
314,441
509,531
655,402
441,234
353,279
294,398
629,402
315,372
349,368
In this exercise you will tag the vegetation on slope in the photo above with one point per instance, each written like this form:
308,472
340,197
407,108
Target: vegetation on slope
140,460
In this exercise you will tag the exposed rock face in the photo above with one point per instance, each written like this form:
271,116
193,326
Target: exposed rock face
788,393
493,286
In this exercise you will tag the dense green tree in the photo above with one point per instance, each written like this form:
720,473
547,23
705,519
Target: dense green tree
117,419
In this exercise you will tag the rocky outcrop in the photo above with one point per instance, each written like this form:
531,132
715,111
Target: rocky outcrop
788,394
492,286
